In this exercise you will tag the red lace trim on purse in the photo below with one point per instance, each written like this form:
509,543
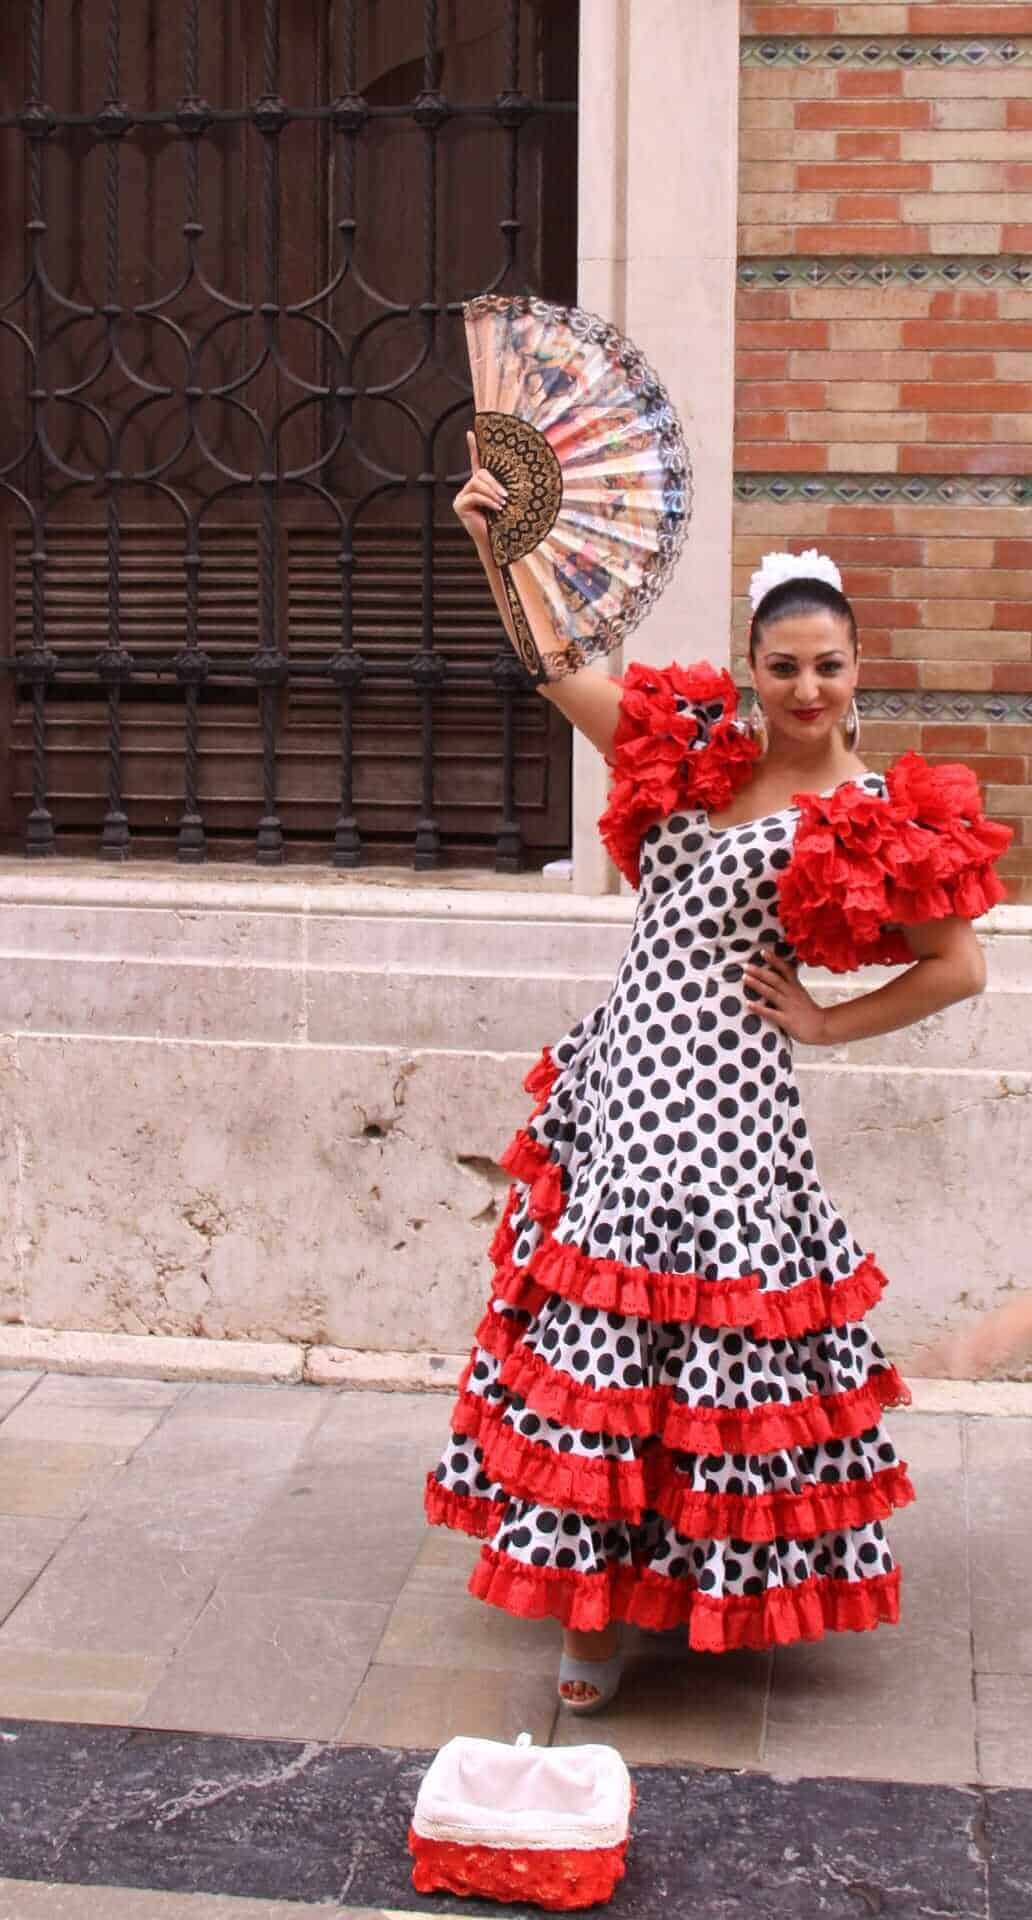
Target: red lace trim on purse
559,1879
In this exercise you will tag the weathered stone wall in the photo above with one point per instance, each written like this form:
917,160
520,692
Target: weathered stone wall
270,1111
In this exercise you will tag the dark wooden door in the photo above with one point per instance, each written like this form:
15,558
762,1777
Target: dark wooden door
233,392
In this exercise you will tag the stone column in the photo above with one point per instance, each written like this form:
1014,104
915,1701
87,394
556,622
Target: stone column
657,255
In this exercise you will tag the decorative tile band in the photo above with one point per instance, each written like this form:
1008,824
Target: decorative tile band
1008,270
876,52
909,489
948,707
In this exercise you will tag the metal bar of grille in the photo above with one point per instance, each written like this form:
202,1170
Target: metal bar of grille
244,116
428,667
242,461
269,663
114,665
38,666
348,667
192,664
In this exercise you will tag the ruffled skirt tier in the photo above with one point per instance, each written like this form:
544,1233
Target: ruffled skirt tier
654,1441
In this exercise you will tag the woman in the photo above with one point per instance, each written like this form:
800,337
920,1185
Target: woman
672,1413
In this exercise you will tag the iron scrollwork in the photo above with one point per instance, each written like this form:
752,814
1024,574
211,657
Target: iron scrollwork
192,472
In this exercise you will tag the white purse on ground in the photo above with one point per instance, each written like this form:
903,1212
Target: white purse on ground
548,1825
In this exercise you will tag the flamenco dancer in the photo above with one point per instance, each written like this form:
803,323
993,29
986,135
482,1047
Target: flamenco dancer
673,1411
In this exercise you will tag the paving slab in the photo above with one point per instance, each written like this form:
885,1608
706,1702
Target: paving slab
700,1709
929,1537
39,1900
999,1456
13,1389
53,1477
106,1689
430,1625
414,1425
123,1428
191,1442
83,1602
268,1664
176,1514
354,1534
27,1543
425,1706
873,1706
255,1400
1003,1714
100,1390
36,1900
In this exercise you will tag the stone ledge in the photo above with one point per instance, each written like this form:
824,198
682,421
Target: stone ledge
361,1367
364,1369
318,890
133,1356
305,890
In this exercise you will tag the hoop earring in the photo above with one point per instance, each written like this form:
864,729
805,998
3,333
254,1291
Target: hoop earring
851,726
757,727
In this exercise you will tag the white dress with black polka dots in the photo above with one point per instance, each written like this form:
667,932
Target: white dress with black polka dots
621,1442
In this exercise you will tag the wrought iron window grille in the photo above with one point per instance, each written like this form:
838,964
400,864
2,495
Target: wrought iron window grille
83,438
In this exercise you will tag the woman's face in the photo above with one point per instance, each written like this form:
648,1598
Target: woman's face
805,675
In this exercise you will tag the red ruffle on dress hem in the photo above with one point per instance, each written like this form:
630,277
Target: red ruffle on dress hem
657,769
643,1412
464,1512
615,1490
528,1161
625,1488
559,1879
716,1516
809,1306
773,1516
863,865
715,1624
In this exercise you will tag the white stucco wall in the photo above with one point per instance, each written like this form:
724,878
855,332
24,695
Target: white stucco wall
657,255
271,1110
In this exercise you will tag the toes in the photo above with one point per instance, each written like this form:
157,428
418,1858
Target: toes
578,1690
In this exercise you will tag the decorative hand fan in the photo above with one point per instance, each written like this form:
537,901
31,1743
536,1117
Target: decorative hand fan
573,421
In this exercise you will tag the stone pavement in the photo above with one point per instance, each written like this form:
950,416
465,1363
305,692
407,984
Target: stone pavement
250,1562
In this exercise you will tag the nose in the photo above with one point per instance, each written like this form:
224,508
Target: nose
807,692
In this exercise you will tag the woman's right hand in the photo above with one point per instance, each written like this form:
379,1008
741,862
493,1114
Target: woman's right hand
481,493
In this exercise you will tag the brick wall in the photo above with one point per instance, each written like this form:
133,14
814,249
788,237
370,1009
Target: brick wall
884,360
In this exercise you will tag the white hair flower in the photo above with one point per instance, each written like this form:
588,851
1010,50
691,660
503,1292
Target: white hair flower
775,568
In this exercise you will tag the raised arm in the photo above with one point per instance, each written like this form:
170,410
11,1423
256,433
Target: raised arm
589,699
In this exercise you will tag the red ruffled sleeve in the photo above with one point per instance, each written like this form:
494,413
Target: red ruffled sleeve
677,745
864,865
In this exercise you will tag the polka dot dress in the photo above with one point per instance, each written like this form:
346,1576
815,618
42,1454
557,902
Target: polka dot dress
673,1410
